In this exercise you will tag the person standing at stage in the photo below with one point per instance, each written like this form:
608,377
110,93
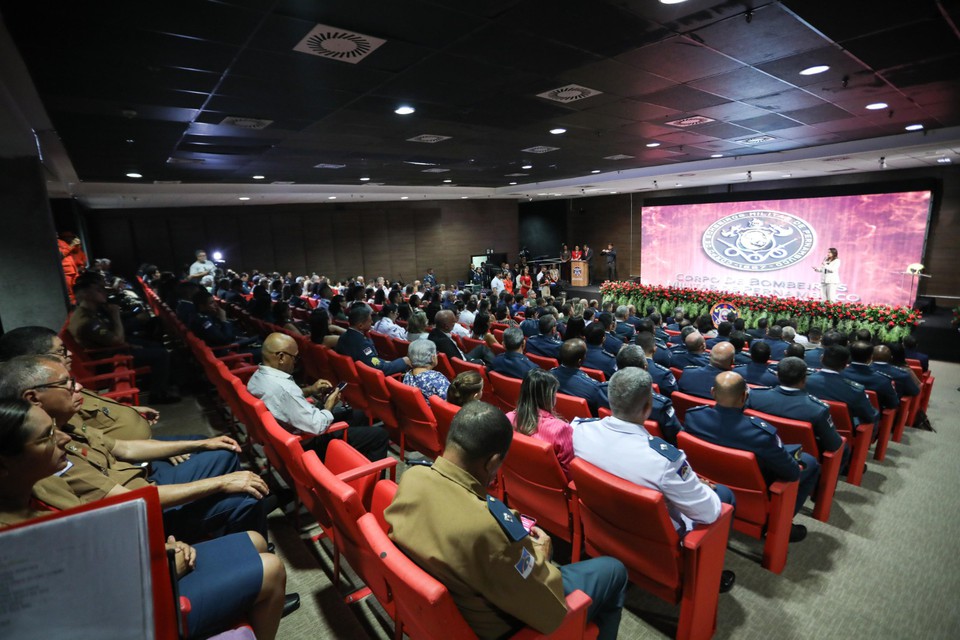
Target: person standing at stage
577,254
611,254
588,258
829,271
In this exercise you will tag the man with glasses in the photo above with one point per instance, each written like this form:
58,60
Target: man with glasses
206,496
274,384
202,267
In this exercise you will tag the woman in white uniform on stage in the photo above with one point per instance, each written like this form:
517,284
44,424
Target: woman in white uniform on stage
829,275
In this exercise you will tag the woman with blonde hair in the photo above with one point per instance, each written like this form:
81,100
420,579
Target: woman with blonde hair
535,417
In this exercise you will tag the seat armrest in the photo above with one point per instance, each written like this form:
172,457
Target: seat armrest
574,623
367,469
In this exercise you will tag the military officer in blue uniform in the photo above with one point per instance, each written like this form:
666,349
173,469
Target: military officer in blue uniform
724,329
547,343
210,324
758,372
662,376
661,354
828,384
777,344
663,412
623,328
429,280
513,363
814,348
613,343
791,400
694,354
727,426
355,343
861,356
904,380
597,358
574,382
698,381
739,339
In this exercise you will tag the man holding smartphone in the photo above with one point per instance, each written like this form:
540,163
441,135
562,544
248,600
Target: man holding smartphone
274,384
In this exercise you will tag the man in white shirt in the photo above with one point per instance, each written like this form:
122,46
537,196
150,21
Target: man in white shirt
469,315
202,267
496,286
387,323
287,401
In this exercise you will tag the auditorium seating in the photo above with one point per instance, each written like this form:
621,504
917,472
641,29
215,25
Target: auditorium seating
858,438
418,427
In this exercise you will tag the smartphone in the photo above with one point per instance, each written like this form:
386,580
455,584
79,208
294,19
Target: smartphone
527,522
341,386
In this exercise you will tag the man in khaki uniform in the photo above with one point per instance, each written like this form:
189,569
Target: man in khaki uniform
499,576
206,496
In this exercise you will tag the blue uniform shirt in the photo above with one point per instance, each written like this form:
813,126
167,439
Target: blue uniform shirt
359,347
797,404
875,381
662,376
541,345
597,358
697,381
512,364
757,373
574,382
830,385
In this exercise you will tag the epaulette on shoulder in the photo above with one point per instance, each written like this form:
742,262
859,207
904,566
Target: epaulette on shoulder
657,365
763,425
853,384
660,397
665,449
699,407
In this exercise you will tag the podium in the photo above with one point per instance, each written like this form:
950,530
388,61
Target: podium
579,273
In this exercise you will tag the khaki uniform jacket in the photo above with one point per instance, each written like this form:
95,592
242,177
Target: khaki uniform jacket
440,519
113,418
93,473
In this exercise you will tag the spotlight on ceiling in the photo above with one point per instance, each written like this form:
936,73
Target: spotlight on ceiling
217,256
876,106
404,110
557,131
812,71
527,166
258,177
134,174
914,127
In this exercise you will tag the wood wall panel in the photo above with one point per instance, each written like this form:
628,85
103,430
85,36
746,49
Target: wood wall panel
318,244
376,243
598,221
150,238
256,238
185,231
288,248
403,245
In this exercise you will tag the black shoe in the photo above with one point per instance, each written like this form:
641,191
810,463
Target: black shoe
290,604
797,532
727,578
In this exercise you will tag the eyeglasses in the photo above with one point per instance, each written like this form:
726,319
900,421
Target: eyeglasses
70,384
48,437
295,356
62,352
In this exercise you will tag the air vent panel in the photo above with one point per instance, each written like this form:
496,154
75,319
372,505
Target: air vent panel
569,93
246,123
338,44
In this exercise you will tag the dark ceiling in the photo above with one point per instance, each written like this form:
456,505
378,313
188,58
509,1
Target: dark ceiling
145,87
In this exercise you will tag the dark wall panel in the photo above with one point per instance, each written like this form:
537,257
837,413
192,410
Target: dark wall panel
543,226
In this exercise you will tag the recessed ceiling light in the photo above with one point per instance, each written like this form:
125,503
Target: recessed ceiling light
448,180
404,197
557,131
244,198
944,160
512,183
527,166
913,127
595,171
614,192
364,179
876,106
404,110
258,177
671,1
787,175
130,140
331,197
134,174
716,155
463,197
543,194
812,71
677,184
653,144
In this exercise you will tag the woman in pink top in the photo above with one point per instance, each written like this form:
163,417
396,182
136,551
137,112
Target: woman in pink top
534,415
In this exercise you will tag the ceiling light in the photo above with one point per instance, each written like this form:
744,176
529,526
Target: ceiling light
787,175
404,197
671,1
331,197
944,160
812,71
244,198
463,197
130,140
218,255
876,106
448,180
527,166
404,110
258,177
543,194
913,127
716,155
134,174
595,171
557,131
653,144
420,164
614,192
364,179
512,183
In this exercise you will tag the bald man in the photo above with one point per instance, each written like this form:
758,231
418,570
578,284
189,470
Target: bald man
727,426
905,381
698,381
274,384
695,354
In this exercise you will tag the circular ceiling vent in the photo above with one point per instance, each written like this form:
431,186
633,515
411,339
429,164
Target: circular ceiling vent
338,44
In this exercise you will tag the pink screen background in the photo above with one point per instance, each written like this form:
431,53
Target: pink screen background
876,236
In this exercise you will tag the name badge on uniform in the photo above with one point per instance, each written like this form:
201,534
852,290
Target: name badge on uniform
525,565
368,351
684,471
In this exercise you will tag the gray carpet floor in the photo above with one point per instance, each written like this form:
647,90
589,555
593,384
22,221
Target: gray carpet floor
886,565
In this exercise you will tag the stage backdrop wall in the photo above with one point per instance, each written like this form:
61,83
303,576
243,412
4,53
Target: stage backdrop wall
339,241
771,247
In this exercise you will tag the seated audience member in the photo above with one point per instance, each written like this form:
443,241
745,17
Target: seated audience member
120,421
441,336
827,383
207,495
260,305
387,324
662,376
469,313
597,358
727,426
910,351
693,355
473,548
620,445
481,329
273,383
546,343
355,343
575,327
663,412
724,329
813,347
622,327
321,331
417,326
184,293
531,322
466,387
216,331
234,294
613,343
760,331
283,317
774,338
513,363
739,340
758,372
95,324
336,307
423,375
861,356
225,579
535,415
791,400
698,381
574,382
905,381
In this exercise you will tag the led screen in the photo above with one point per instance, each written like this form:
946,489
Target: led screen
770,247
